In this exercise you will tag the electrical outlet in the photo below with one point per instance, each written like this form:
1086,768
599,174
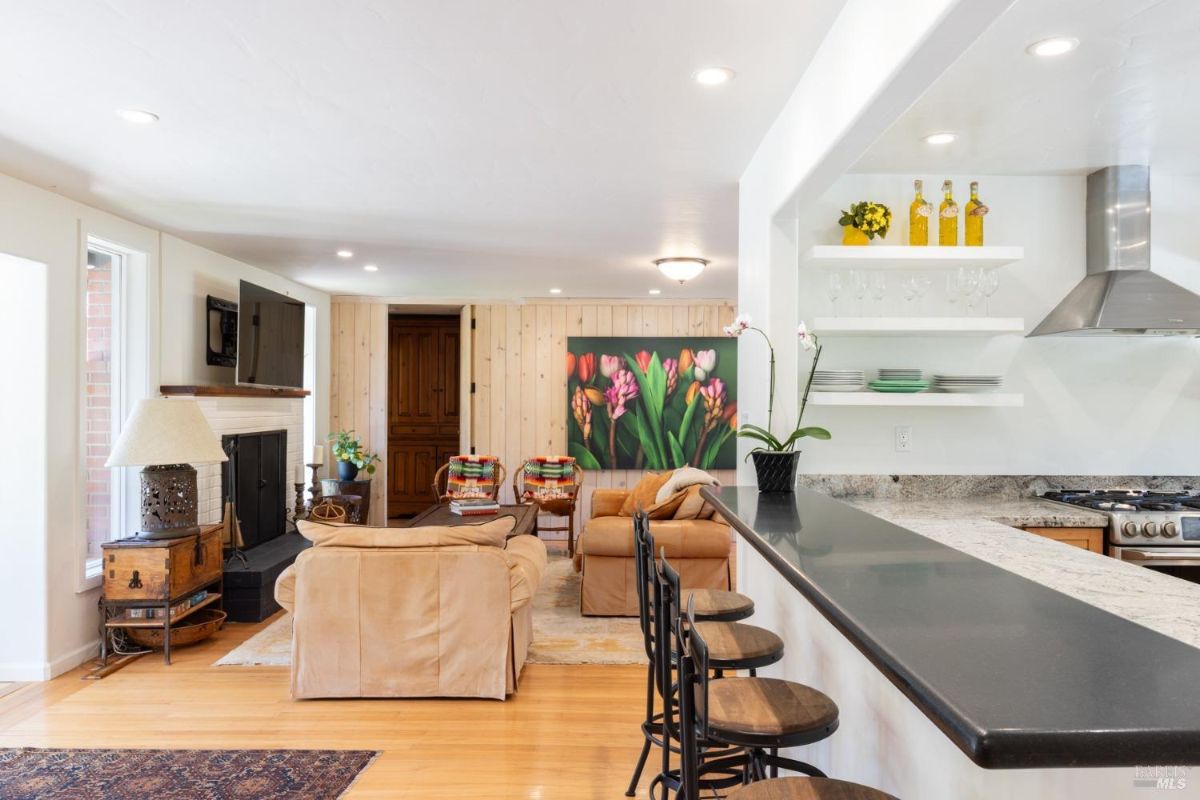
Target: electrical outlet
904,438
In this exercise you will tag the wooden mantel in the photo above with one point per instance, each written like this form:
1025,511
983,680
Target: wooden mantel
232,391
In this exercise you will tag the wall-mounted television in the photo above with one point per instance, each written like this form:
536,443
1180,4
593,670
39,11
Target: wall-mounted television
270,349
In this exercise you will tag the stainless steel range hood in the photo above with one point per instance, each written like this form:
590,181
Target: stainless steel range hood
1120,295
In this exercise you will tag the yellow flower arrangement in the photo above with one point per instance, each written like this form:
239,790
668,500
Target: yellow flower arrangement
872,218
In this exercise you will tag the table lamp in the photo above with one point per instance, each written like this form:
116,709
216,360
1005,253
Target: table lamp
166,437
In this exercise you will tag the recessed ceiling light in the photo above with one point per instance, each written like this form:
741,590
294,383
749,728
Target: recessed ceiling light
945,137
137,116
656,291
681,269
1054,46
371,268
556,290
345,254
713,76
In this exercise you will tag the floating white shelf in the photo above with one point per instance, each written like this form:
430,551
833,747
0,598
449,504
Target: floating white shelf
834,256
918,326
985,400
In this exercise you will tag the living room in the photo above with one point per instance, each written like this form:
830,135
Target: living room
518,400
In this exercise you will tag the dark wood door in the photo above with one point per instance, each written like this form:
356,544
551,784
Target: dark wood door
423,406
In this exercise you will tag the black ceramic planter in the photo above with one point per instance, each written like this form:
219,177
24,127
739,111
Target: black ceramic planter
776,471
347,471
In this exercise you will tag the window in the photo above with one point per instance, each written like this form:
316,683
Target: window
113,380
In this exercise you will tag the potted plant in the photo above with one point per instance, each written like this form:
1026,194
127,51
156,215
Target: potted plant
350,455
864,221
775,459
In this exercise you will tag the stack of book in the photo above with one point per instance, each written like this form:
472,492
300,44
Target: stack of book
474,506
176,610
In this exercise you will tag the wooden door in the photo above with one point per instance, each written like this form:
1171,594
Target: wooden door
423,406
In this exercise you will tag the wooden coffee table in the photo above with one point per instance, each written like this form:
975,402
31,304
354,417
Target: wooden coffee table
440,515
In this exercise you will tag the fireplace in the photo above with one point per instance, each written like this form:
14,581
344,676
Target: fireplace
258,466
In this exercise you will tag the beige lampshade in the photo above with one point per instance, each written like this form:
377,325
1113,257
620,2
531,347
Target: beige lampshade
166,431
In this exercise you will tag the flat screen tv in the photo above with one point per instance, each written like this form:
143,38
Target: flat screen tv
270,349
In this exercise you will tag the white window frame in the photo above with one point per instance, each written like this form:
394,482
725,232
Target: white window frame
132,348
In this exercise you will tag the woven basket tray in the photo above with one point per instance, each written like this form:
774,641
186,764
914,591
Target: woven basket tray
196,628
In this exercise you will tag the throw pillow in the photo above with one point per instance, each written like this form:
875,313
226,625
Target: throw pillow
645,494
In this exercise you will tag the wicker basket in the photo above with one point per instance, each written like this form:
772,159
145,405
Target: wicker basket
196,628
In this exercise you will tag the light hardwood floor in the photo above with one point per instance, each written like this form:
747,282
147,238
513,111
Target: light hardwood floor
571,731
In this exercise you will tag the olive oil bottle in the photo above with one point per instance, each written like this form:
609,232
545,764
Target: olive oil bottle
974,215
948,217
918,218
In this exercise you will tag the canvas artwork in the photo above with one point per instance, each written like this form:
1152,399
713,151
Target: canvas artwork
662,402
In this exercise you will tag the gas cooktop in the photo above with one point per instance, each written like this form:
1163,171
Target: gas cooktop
1147,517
1115,500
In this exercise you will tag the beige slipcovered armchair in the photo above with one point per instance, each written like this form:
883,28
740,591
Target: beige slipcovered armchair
697,547
411,612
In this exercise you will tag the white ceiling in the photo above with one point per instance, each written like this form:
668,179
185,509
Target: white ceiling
467,147
1130,94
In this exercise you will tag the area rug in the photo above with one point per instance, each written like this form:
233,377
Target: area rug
35,774
560,634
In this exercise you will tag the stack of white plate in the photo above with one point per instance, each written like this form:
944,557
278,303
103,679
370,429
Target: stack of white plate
838,380
967,383
900,374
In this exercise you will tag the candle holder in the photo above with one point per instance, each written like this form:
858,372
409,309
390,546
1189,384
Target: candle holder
298,510
315,488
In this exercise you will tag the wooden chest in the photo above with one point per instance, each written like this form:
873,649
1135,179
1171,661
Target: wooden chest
162,570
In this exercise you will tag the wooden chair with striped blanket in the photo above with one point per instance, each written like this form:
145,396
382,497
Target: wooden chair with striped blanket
553,484
468,476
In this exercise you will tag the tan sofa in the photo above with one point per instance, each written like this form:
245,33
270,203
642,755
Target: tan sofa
698,548
411,612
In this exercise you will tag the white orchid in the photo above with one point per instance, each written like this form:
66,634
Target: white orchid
741,324
808,339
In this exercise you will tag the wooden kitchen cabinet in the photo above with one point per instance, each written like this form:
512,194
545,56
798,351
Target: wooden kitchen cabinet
1090,539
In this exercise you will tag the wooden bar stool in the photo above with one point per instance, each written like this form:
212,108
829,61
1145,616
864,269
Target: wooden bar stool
736,646
754,712
717,605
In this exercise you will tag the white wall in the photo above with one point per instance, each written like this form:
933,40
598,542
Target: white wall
23,326
876,59
1125,406
52,230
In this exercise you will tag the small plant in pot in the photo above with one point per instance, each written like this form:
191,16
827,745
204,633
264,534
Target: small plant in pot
350,455
775,459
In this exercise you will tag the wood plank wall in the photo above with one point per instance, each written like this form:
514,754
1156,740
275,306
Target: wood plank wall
358,387
520,373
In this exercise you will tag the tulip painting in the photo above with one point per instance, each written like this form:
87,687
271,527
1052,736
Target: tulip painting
652,402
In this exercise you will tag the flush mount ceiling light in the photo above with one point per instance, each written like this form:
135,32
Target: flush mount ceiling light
656,291
713,76
681,269
944,137
1054,46
137,116
371,268
556,290
345,254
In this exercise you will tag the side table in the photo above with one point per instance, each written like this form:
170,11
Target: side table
361,488
158,574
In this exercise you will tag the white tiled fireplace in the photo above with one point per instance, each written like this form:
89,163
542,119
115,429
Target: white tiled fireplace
231,415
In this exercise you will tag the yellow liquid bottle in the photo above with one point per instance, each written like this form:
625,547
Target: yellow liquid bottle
948,217
975,213
918,218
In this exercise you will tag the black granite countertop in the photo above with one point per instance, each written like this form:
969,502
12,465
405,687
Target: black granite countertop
1016,674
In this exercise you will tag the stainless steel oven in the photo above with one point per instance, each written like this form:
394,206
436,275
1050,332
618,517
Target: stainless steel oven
1182,562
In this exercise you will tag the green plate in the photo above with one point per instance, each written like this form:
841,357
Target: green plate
898,389
898,384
